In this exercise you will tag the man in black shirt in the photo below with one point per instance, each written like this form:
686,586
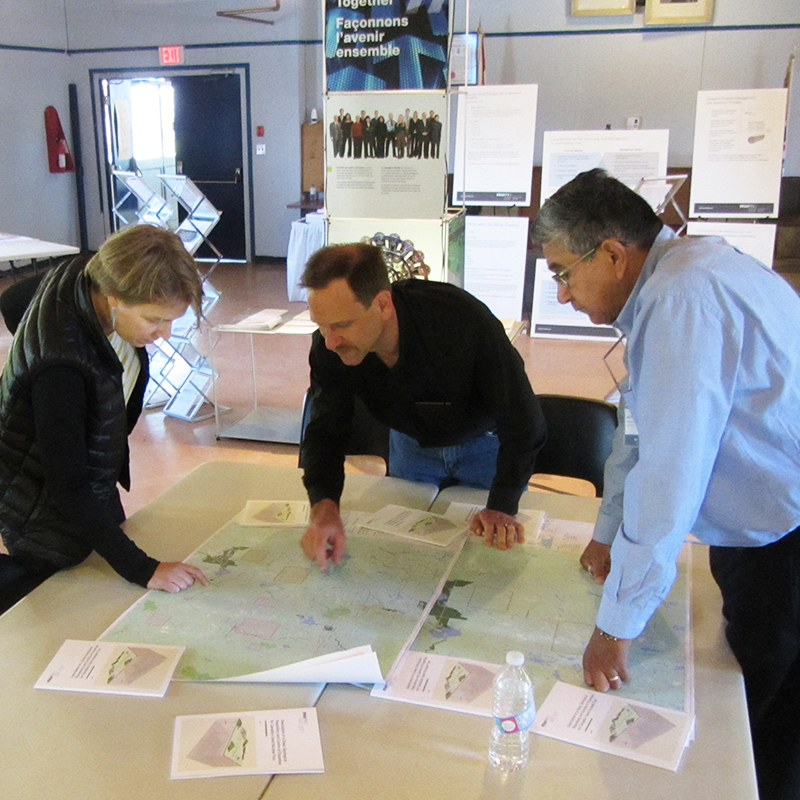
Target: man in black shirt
432,363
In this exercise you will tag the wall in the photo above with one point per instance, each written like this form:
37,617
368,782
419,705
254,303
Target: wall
33,201
591,71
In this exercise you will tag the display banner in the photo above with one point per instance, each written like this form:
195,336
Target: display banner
495,135
373,45
738,153
385,154
627,155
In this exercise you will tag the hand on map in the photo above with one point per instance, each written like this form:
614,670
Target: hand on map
605,662
325,538
596,560
174,576
497,528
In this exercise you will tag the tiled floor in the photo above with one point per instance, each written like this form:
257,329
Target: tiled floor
164,449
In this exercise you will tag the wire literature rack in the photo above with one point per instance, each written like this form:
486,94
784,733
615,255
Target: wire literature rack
181,378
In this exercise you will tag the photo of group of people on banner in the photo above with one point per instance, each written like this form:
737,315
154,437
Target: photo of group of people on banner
409,135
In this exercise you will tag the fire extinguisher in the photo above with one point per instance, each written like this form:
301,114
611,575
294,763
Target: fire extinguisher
58,155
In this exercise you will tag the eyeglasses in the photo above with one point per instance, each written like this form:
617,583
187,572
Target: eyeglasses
562,276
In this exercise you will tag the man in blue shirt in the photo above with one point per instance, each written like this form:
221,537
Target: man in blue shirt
708,442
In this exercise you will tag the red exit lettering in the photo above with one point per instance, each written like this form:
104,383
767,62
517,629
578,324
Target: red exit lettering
171,54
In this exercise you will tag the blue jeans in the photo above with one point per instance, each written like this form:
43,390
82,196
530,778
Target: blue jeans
472,463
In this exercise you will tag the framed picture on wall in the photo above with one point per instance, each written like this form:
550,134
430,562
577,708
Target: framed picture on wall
597,8
676,12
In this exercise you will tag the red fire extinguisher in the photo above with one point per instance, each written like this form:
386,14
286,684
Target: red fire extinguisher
58,155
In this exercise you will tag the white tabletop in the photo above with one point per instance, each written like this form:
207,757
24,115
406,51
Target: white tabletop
13,248
69,745
97,747
380,749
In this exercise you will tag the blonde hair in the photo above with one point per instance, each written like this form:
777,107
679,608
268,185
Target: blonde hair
145,264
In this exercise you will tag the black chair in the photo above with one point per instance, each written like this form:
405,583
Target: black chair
580,432
15,300
368,437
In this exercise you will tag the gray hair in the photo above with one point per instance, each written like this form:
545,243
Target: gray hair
594,207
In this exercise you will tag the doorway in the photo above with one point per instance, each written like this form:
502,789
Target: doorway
187,124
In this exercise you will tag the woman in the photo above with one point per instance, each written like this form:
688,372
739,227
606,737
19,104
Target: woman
400,138
70,393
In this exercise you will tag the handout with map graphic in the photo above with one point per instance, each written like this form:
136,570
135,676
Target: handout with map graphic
610,723
286,513
111,668
454,684
248,743
415,524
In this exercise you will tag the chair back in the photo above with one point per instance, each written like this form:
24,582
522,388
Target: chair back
580,432
367,438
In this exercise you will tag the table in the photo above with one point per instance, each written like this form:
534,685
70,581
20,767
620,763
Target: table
381,749
66,745
13,248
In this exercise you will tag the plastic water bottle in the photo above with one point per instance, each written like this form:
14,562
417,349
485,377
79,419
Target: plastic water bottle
514,709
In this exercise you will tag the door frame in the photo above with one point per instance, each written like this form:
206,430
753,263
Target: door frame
102,145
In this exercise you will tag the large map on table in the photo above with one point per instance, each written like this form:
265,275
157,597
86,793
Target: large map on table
539,601
268,606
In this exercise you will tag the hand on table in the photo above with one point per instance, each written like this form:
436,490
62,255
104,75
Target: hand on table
605,662
497,528
174,576
324,538
596,560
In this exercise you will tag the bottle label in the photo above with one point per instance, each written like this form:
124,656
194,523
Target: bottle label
519,723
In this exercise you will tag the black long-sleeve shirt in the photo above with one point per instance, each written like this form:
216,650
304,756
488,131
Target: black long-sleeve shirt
457,377
60,409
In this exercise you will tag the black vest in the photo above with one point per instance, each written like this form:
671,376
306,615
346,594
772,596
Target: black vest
61,328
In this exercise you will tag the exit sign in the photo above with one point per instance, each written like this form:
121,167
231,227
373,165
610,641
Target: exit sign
170,54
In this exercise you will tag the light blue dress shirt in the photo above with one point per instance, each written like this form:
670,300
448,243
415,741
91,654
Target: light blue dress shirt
713,389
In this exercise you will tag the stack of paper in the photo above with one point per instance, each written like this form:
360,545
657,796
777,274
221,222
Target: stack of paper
264,320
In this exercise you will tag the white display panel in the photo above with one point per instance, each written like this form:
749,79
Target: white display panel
738,153
432,238
402,182
494,262
495,135
755,240
629,156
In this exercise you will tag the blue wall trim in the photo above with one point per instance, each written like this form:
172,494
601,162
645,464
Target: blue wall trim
489,35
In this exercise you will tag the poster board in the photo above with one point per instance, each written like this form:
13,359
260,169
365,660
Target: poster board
495,132
628,155
440,242
371,174
755,240
385,45
494,262
738,153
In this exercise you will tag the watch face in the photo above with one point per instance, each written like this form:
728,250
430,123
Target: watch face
402,260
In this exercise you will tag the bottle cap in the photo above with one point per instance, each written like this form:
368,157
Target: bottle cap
515,658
